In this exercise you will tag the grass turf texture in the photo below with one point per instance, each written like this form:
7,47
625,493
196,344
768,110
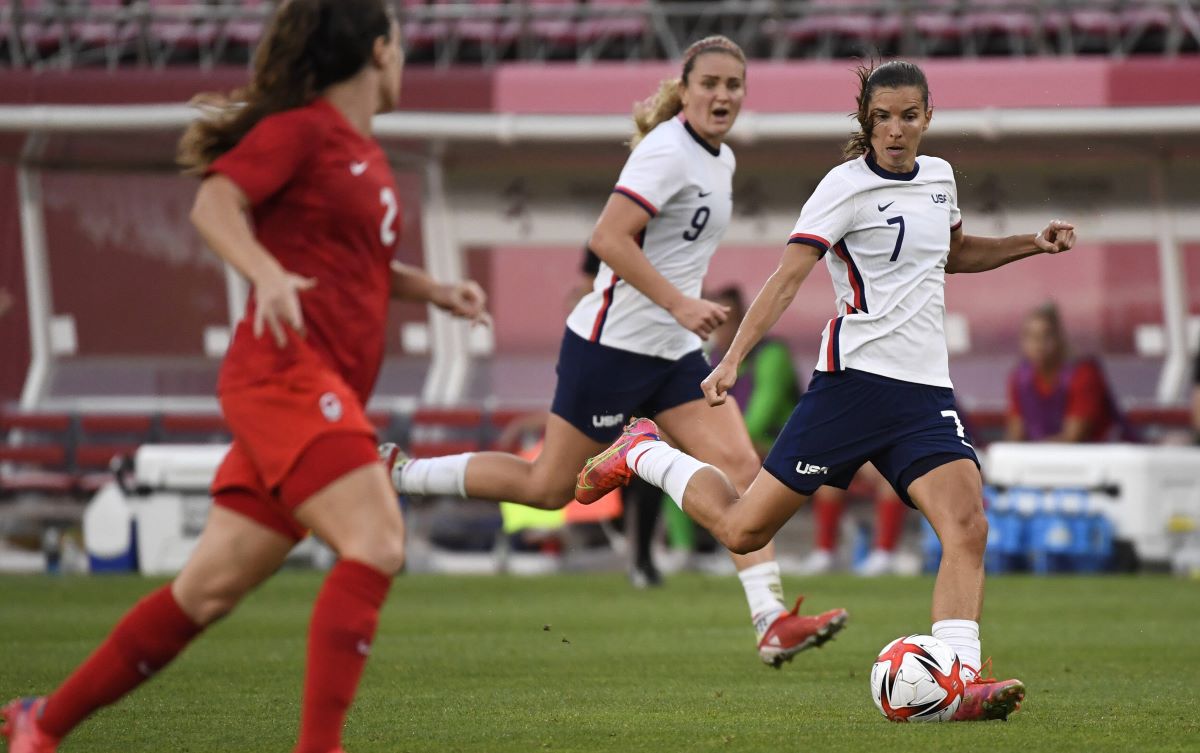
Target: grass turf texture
468,664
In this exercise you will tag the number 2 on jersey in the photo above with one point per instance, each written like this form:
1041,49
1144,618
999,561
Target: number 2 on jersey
899,236
699,221
387,229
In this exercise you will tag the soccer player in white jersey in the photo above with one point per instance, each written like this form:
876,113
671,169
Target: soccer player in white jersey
632,346
888,224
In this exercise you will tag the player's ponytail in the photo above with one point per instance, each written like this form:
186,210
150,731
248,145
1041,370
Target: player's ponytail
890,75
308,45
667,102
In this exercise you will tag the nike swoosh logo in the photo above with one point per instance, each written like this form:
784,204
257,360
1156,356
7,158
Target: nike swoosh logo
883,207
702,194
358,168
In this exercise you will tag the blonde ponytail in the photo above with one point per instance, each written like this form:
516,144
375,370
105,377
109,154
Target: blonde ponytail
650,112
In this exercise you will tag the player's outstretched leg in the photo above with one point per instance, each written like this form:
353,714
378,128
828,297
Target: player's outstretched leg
951,497
233,556
743,525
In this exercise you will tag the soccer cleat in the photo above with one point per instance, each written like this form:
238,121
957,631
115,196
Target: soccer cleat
394,459
989,698
21,730
792,632
608,470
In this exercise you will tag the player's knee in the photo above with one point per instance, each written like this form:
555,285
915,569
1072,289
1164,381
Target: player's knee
743,540
215,598
385,554
968,530
552,493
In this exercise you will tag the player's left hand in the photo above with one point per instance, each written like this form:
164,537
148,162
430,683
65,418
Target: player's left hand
465,299
1057,237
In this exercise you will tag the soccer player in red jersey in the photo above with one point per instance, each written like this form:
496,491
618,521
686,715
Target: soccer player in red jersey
292,149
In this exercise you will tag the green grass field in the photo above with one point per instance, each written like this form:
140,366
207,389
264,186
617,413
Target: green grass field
585,663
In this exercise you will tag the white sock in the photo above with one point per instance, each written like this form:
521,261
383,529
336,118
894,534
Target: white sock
664,466
445,475
963,637
764,594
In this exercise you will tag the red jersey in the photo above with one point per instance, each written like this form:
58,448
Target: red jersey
325,204
1078,390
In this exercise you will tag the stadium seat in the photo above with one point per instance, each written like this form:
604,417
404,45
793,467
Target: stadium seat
837,27
243,26
1094,26
491,28
553,26
437,431
999,26
1149,25
108,31
104,437
936,27
182,28
419,33
40,29
612,20
180,428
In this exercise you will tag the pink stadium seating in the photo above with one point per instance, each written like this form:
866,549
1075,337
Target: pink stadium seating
937,26
245,27
1012,23
829,24
554,24
181,27
628,23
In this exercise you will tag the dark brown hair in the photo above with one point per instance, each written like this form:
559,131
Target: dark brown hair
308,45
665,103
890,75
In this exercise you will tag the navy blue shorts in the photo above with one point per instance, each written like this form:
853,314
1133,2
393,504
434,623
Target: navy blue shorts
847,418
601,388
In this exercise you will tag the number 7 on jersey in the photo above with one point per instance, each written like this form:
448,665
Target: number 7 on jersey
898,220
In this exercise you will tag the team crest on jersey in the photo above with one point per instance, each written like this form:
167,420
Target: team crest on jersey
331,407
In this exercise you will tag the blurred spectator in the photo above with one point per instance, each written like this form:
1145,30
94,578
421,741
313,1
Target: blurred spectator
1053,397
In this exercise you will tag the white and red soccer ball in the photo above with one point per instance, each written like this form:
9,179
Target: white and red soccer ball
917,679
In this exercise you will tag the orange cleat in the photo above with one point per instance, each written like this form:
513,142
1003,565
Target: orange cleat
21,730
608,470
989,698
792,632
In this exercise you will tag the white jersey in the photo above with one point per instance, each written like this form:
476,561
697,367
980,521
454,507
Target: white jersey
889,234
686,186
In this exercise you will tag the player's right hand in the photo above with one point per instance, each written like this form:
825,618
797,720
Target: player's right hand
277,304
716,385
700,316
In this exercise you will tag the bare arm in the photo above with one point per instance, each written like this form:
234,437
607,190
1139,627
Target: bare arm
774,298
219,214
973,253
614,240
465,299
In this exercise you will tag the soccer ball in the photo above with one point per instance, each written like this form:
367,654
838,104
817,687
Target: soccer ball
917,679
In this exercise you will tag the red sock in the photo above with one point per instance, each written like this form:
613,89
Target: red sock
889,519
339,639
146,639
827,516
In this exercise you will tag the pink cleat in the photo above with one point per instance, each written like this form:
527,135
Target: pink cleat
21,730
792,632
608,470
989,698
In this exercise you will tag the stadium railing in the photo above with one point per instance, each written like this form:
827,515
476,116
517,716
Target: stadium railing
66,33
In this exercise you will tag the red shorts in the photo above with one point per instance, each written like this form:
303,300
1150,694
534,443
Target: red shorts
292,436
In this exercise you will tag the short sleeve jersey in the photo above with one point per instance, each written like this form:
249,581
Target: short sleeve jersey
886,239
686,186
324,203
